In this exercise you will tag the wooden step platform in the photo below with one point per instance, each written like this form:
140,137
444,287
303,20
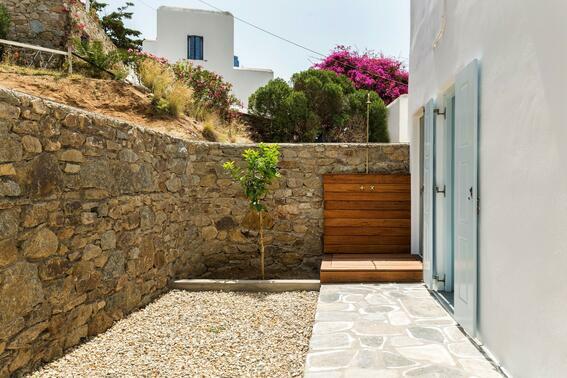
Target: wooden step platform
341,268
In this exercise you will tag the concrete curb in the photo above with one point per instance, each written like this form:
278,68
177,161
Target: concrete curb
247,285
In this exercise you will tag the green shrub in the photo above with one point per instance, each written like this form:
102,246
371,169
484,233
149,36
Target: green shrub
320,106
102,61
210,91
5,21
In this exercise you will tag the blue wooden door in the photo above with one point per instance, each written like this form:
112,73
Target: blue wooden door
428,192
466,196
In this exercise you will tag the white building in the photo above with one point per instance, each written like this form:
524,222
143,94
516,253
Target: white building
205,38
488,153
398,120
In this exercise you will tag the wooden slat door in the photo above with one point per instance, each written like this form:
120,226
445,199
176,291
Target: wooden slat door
367,213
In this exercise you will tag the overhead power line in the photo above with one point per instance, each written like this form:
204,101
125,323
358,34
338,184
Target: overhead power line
300,45
291,42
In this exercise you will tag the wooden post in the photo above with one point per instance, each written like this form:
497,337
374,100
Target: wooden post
70,59
261,229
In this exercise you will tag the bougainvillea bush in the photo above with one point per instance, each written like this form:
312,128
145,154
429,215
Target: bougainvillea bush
374,72
210,91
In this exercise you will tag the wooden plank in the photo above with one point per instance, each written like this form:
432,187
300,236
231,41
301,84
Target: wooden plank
349,222
371,268
371,262
336,196
367,205
365,178
383,231
378,188
367,214
368,248
349,277
366,239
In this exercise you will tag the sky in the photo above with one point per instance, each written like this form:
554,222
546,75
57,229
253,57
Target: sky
378,25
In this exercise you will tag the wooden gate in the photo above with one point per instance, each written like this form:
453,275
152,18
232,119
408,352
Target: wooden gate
367,229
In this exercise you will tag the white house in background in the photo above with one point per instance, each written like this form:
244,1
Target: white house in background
488,161
205,38
398,120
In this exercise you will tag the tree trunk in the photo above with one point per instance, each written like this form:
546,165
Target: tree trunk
261,229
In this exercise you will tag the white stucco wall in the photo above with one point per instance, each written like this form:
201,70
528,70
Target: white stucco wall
522,47
398,120
217,29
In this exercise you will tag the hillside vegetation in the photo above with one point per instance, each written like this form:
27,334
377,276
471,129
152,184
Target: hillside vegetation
116,99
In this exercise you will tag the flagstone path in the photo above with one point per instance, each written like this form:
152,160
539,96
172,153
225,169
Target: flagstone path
389,330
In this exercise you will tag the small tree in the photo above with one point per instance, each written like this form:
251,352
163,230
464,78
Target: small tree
261,170
114,27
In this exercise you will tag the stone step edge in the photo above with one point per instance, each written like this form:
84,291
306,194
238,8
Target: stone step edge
247,285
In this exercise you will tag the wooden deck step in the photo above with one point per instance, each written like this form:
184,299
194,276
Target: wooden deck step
342,268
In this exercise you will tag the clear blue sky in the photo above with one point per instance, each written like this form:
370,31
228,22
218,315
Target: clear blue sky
379,25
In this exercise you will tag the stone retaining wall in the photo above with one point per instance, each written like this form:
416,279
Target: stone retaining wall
98,216
53,24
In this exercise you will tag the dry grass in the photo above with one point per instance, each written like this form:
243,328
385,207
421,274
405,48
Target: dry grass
121,100
156,77
179,97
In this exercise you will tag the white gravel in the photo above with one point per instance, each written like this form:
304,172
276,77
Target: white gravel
200,334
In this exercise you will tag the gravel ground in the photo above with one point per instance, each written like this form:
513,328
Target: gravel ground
200,334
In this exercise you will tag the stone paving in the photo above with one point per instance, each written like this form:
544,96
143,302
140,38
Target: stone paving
389,330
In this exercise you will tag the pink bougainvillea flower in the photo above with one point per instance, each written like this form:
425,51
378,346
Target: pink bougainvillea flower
384,75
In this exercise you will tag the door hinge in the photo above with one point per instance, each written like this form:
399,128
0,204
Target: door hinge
443,191
477,205
439,112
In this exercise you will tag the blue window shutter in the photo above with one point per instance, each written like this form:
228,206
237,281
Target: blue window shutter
199,53
195,47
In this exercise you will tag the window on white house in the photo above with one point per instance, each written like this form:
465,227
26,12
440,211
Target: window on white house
194,47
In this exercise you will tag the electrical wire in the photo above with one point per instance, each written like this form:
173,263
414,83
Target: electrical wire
299,45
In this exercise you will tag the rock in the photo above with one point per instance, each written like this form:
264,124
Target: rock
44,178
71,139
11,150
209,233
74,156
9,111
9,220
7,170
127,155
173,184
108,240
9,188
43,243
31,144
25,338
38,106
225,223
72,168
8,252
20,291
53,268
91,251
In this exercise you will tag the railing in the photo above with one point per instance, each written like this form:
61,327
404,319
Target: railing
68,53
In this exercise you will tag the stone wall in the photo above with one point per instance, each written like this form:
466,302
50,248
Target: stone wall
52,24
98,216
